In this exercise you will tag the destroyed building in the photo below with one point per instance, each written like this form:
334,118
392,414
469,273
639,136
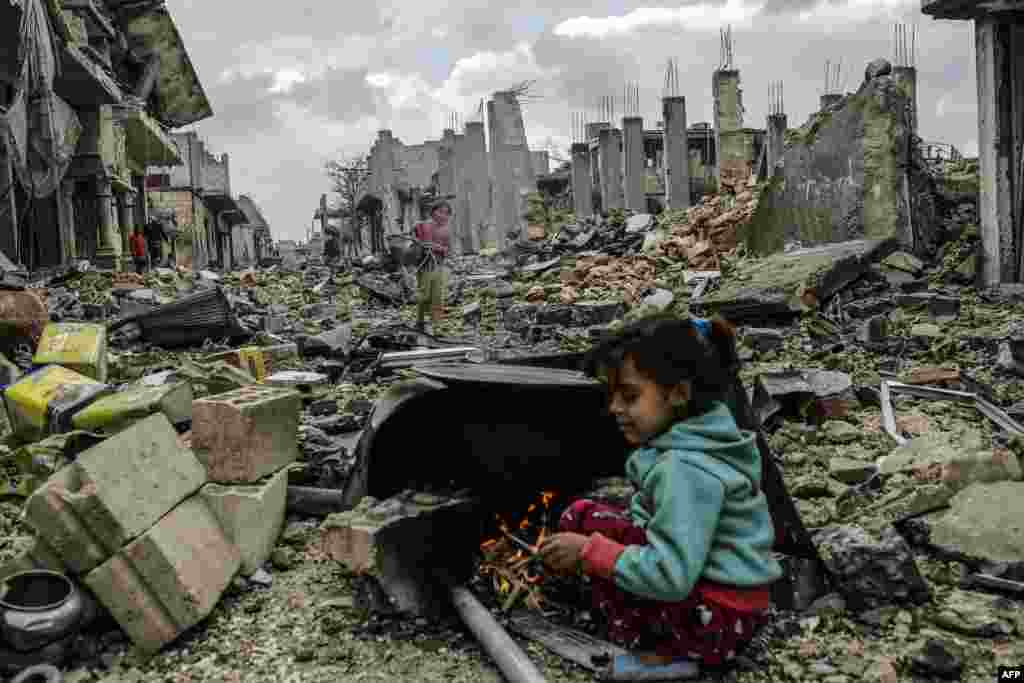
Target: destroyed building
101,83
998,60
198,192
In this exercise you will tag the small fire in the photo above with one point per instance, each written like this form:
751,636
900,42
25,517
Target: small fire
510,559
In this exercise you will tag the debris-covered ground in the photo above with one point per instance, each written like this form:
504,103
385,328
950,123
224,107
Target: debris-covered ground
903,526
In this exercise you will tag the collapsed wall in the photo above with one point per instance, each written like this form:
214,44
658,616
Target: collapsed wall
851,172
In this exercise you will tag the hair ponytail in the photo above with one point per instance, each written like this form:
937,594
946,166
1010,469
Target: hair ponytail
722,338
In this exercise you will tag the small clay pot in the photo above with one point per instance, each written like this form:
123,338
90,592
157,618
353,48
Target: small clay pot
38,607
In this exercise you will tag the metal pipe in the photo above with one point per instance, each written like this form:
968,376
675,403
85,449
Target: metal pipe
398,359
514,664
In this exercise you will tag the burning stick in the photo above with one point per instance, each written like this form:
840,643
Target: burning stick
519,542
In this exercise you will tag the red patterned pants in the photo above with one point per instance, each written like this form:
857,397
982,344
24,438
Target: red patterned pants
696,628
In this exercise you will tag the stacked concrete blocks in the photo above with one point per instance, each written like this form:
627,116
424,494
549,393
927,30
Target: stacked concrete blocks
125,517
247,439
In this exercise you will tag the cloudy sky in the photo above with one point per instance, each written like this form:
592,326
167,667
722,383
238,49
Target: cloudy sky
295,83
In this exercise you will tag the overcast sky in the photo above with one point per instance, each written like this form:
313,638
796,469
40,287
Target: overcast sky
295,83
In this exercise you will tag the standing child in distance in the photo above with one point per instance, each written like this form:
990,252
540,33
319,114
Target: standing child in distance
433,275
683,575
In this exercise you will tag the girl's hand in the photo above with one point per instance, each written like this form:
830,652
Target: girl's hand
561,552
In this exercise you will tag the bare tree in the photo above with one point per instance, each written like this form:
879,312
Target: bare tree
347,174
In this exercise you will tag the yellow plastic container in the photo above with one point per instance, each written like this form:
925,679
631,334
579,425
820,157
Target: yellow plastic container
42,402
81,347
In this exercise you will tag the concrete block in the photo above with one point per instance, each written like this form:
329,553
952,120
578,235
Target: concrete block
113,413
252,516
244,435
170,578
113,492
405,543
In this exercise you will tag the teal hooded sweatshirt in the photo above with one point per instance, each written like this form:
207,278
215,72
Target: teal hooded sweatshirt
700,501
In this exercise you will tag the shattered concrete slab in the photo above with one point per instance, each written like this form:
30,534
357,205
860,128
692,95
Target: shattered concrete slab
983,524
789,284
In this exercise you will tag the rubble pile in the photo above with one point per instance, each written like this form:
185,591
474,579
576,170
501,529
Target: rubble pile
708,229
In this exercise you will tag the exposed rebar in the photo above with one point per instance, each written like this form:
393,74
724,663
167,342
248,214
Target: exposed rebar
671,87
775,102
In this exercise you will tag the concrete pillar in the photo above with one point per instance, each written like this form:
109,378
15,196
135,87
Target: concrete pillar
609,153
906,77
541,162
728,118
8,206
108,246
446,164
384,170
826,101
675,146
776,142
582,189
999,262
127,217
461,189
512,171
633,163
477,182
66,207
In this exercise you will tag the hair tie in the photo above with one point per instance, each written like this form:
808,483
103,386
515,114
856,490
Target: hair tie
703,326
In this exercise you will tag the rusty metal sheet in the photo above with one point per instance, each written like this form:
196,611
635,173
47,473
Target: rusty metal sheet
506,375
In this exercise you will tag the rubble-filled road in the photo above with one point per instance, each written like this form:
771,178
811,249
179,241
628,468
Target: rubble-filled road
906,512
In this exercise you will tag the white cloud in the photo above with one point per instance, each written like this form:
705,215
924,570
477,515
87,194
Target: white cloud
297,59
402,91
700,17
830,14
286,79
484,73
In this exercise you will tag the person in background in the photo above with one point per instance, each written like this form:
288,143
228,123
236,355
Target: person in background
683,575
155,238
433,274
332,248
137,242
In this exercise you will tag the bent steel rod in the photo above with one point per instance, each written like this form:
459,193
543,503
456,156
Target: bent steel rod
514,664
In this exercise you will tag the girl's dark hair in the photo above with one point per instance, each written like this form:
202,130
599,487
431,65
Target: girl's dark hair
667,350
440,205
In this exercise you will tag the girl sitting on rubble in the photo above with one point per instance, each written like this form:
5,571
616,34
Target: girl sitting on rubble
683,575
